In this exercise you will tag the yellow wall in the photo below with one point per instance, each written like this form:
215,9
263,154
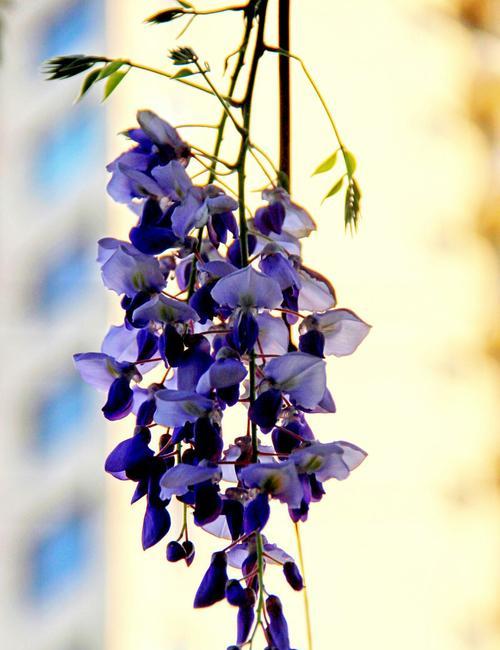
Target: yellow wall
405,553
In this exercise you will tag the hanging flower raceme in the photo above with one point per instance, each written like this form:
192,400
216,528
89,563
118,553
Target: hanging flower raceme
203,331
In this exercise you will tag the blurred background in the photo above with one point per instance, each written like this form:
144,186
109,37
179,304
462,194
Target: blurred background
407,552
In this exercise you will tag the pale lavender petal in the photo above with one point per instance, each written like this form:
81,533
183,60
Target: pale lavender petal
217,269
159,131
353,455
96,369
326,404
302,376
218,528
185,216
121,343
343,331
331,460
176,480
127,272
142,184
173,180
247,288
316,293
140,395
298,222
221,374
237,555
279,479
273,334
166,310
176,407
278,555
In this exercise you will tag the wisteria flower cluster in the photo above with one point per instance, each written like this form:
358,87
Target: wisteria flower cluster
220,312
274,314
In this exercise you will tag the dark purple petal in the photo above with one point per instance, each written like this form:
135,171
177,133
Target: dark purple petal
256,514
235,593
278,627
212,586
229,395
234,251
156,524
233,510
189,550
120,398
152,240
208,442
245,332
130,458
208,504
266,409
203,303
270,218
248,568
146,412
171,346
147,343
312,342
175,552
292,575
245,619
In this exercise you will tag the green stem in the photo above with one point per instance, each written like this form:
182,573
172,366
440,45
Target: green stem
221,99
307,608
329,115
209,12
168,75
249,15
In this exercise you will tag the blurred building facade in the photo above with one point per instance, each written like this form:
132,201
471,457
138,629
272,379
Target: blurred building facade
52,207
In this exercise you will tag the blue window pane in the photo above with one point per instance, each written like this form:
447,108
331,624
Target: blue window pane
65,281
60,558
70,28
66,154
62,416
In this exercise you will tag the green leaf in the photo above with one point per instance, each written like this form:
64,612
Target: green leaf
88,82
336,188
327,164
112,83
186,5
109,69
350,162
183,72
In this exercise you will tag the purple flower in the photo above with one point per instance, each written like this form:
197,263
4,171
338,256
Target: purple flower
157,143
301,376
289,216
100,370
342,330
330,460
126,270
280,480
